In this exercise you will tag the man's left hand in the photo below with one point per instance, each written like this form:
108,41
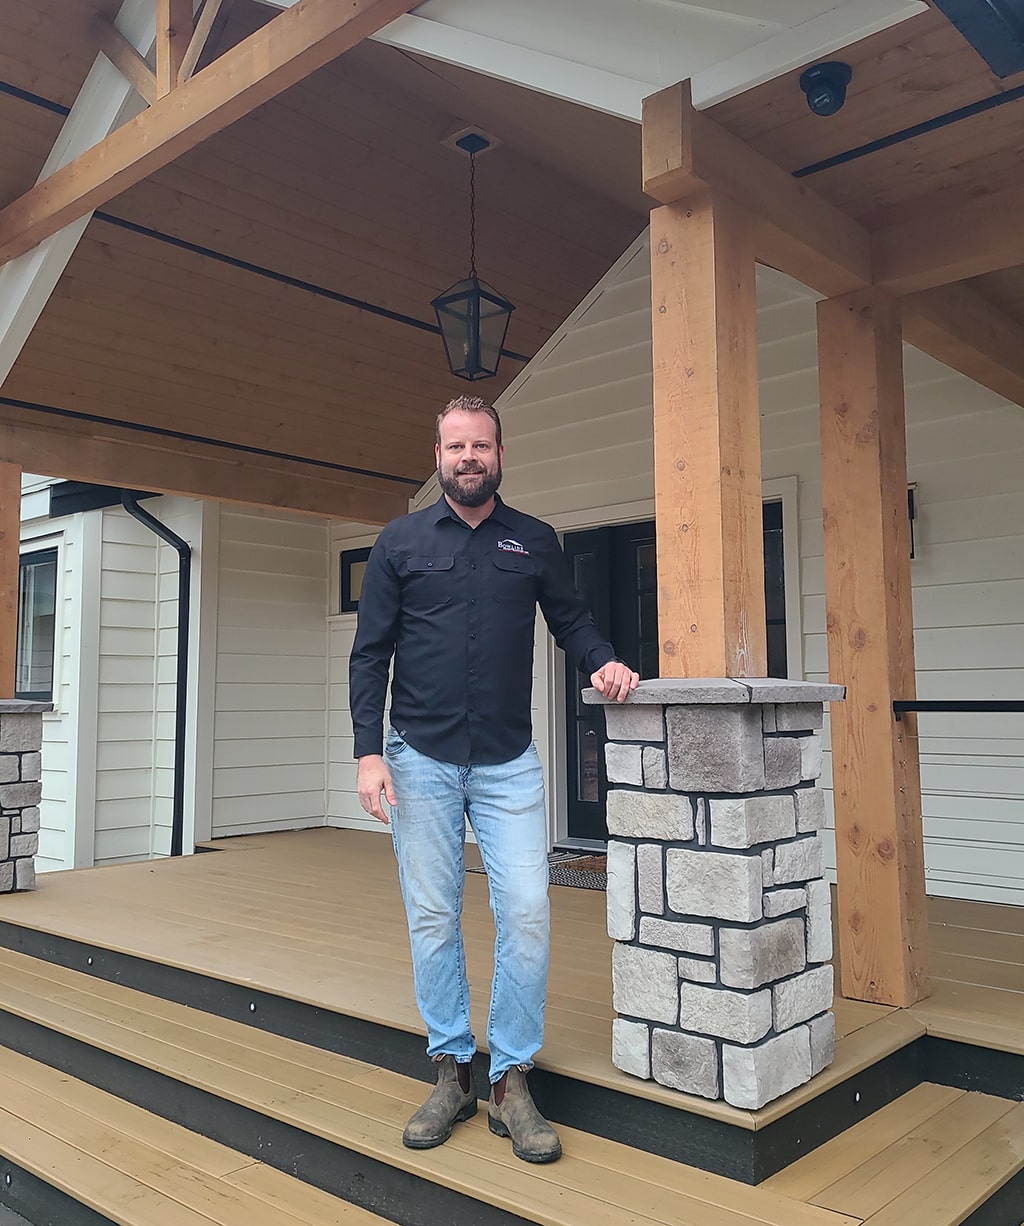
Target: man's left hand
615,681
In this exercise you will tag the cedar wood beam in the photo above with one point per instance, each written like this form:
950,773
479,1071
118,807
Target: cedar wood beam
126,59
212,9
685,152
193,470
174,27
286,50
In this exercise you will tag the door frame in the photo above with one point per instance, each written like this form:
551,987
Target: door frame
549,696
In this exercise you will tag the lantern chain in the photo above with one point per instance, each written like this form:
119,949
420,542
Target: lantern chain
472,214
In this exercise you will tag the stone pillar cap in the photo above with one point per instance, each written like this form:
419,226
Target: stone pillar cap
18,706
668,691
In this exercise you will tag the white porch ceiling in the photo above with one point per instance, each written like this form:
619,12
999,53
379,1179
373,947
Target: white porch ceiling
610,54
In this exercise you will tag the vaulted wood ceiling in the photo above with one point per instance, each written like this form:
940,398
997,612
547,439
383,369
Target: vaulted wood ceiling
343,184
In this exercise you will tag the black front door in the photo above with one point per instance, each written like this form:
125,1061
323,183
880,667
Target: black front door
615,570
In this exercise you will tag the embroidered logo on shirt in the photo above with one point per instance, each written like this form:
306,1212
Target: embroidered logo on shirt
511,546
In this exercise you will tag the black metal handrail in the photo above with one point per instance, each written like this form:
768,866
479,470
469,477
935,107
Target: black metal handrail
970,704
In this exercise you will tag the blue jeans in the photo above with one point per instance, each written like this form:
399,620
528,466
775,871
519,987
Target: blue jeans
505,807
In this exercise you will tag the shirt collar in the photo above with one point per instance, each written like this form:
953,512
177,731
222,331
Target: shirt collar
500,514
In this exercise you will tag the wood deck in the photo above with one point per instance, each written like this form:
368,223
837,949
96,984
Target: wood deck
317,916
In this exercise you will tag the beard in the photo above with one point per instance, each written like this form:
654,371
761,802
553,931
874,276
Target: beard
470,495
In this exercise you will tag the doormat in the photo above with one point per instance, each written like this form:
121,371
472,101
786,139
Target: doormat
579,869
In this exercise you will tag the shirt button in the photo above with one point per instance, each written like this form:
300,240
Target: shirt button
472,636
473,601
472,566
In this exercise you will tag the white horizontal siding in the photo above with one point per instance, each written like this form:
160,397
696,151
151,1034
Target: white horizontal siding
270,697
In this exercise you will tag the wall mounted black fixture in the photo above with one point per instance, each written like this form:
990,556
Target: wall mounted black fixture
825,86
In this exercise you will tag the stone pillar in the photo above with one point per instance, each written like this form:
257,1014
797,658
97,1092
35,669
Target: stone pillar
721,915
21,741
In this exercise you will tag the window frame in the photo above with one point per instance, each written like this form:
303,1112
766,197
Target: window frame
35,550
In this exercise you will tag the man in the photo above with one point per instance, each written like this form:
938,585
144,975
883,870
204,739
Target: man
451,593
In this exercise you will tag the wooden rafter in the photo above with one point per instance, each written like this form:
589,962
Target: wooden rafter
173,36
211,10
685,152
126,59
960,327
286,50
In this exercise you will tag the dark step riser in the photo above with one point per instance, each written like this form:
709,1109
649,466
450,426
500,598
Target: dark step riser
385,1190
711,1145
38,1203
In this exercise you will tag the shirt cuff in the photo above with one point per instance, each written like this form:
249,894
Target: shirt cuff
368,743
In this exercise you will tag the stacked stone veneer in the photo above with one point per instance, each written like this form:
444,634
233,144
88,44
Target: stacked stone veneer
21,739
722,918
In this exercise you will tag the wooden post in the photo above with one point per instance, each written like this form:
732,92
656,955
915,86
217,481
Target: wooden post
707,441
875,771
10,548
174,25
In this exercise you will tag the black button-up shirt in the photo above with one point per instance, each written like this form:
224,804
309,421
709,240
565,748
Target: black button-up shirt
456,607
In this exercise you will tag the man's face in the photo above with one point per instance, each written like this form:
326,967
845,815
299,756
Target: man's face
468,459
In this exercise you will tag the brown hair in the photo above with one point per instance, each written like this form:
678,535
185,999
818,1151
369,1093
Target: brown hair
468,404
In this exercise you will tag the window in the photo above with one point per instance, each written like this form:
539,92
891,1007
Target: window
37,615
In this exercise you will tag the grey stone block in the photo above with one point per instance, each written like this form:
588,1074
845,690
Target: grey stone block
677,934
743,821
621,890
687,690
624,764
631,1047
823,1042
819,921
755,1076
715,749
628,722
655,768
6,876
10,767
743,1017
797,1000
783,902
29,820
768,866
780,689
15,820
685,1062
799,717
768,718
781,762
810,757
649,815
697,970
5,838
24,874
31,767
24,845
801,860
20,795
810,810
645,984
700,822
714,883
20,733
751,957
650,872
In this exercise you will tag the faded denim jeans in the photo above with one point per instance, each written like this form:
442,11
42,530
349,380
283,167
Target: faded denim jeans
505,807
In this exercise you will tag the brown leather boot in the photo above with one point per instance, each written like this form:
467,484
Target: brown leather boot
448,1103
512,1113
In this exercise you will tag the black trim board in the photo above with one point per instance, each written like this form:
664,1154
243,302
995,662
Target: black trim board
388,1191
738,1153
40,1203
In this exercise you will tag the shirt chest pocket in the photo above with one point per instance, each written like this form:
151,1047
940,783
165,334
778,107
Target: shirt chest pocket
430,581
514,578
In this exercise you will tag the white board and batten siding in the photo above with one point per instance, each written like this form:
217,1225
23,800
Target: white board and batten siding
579,454
270,693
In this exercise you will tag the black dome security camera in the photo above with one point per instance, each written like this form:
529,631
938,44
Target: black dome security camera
825,86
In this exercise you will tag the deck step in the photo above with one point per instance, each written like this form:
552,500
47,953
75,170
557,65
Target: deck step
936,1155
337,1122
125,1165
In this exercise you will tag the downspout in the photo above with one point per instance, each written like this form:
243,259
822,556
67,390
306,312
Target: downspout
131,504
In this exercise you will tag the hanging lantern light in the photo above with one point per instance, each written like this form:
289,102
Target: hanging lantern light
473,317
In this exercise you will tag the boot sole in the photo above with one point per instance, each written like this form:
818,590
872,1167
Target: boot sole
465,1113
500,1130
